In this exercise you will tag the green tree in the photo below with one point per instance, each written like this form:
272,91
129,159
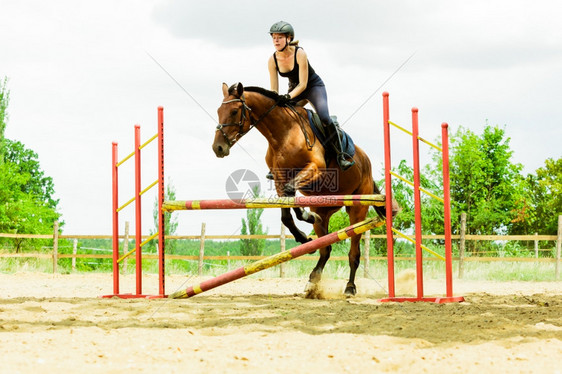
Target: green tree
26,194
431,180
541,200
27,204
550,206
484,180
252,226
338,221
26,163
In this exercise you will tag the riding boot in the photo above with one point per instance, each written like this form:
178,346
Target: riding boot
269,175
335,140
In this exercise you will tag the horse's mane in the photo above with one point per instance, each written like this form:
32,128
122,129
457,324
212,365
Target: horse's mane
267,93
271,94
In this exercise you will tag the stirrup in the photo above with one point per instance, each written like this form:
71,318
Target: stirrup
269,176
343,163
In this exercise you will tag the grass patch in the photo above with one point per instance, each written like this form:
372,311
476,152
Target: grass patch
509,271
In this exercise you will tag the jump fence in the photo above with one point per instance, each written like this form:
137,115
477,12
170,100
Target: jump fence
417,205
138,192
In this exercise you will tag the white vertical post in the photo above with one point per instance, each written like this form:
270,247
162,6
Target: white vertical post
367,246
55,246
536,246
462,245
558,248
282,243
74,251
201,249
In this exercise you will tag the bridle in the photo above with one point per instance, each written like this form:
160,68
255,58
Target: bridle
240,123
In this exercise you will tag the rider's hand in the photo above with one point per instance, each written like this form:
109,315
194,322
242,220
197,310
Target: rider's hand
283,99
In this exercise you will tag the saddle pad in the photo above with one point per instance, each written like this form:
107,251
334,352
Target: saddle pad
320,133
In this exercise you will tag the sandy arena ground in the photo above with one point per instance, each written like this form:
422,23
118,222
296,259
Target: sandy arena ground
57,324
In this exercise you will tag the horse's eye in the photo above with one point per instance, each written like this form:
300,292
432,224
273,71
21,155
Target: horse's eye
234,112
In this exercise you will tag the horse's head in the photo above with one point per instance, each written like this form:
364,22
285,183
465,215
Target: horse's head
234,119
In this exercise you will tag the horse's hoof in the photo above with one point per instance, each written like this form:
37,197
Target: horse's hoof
350,290
312,291
303,240
310,287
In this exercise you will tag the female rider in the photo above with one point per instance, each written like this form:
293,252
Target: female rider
290,61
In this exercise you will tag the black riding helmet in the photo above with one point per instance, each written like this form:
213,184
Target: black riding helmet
282,27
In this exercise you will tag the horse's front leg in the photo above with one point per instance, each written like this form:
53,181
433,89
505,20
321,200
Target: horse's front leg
306,216
286,217
288,221
306,178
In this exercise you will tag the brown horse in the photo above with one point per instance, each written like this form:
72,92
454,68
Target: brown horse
297,162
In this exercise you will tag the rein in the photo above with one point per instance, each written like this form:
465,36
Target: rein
302,121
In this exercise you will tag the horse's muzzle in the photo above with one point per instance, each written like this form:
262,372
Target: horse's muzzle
221,150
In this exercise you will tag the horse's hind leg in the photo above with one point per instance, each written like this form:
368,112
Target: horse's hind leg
321,229
288,221
356,214
316,274
354,258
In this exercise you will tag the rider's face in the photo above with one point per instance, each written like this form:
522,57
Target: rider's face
279,40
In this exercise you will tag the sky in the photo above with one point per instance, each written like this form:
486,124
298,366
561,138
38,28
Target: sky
83,73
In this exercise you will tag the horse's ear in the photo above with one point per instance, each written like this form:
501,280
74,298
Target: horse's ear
239,89
225,90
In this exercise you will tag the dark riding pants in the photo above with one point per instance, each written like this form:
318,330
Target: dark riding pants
316,94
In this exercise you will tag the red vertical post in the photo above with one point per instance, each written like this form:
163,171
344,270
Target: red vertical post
115,216
388,192
161,191
447,210
138,229
417,202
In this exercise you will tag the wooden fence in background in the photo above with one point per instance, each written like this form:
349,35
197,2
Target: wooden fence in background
282,237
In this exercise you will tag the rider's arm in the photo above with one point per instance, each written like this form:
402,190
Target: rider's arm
302,60
273,78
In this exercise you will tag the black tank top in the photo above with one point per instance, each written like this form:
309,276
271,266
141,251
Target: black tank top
293,75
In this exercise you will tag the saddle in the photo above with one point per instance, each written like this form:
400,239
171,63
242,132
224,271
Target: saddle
320,133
